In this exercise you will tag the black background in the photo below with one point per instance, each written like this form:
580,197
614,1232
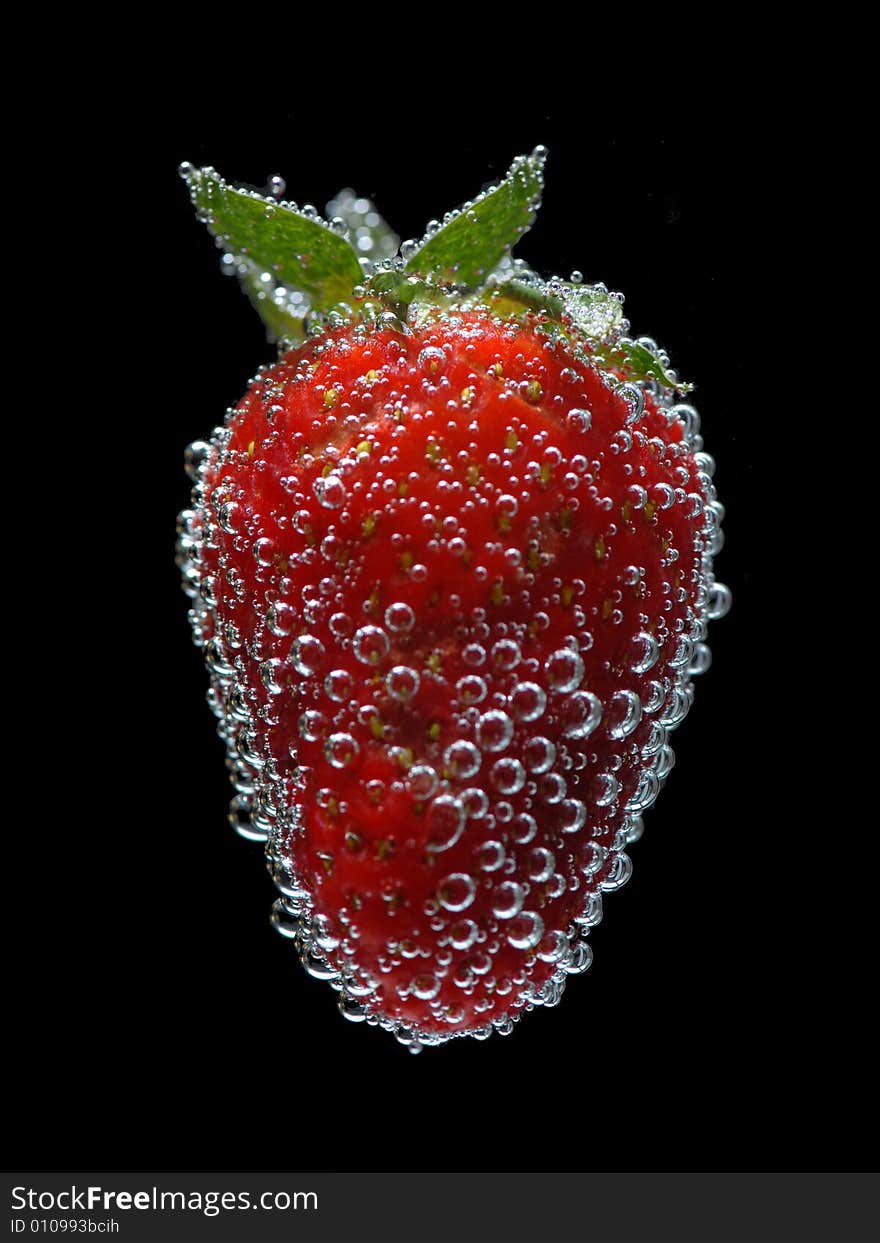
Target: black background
156,1020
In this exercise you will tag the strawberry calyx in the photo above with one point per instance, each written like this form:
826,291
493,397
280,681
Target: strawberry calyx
587,318
304,273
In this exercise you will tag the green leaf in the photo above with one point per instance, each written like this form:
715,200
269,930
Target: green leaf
472,242
289,262
637,362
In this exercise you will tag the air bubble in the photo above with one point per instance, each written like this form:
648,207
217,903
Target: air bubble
456,891
593,859
564,669
539,754
370,645
330,491
662,495
462,759
525,930
507,900
572,815
195,456
702,659
271,672
635,829
264,551
445,822
423,781
523,828
636,497
338,684
581,958
689,417
646,794
431,359
508,776
506,507
490,856
684,650
527,701
471,689
623,714
425,986
216,660
720,599
605,789
578,419
229,516
402,683
553,947
284,921
341,625
475,802
664,763
583,712
654,696
553,788
341,750
635,401
619,874
506,655
280,618
463,976
591,914
306,654
399,618
655,740
643,652
542,863
312,726
494,730
463,934
375,790
675,708
241,821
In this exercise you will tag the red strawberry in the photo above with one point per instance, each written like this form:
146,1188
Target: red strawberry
451,565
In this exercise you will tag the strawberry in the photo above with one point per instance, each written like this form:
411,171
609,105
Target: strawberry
450,562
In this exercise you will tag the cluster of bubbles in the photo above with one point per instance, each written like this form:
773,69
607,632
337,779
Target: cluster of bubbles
365,229
545,701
